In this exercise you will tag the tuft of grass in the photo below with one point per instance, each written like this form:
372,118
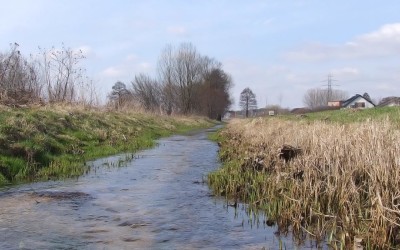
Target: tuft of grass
55,142
343,185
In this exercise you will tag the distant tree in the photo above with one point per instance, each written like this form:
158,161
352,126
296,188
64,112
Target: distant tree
192,83
61,73
213,94
181,72
247,101
119,94
19,78
147,92
317,97
367,97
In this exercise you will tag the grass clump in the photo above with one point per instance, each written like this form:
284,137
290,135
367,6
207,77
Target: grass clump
53,142
343,186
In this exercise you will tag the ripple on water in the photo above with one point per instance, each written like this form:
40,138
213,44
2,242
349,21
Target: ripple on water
159,200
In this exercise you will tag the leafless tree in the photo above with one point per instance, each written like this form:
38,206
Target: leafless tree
180,72
248,101
147,92
165,71
61,73
187,83
88,95
19,80
317,97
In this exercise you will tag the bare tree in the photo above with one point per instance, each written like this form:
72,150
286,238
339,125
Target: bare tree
165,75
317,97
248,101
61,73
180,72
19,80
187,75
147,91
192,83
88,95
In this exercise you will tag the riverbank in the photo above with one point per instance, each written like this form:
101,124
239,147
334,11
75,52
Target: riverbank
337,180
55,141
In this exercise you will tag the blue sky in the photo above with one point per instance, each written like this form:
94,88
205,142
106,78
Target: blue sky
277,48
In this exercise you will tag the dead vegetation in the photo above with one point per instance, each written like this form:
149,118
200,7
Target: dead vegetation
335,182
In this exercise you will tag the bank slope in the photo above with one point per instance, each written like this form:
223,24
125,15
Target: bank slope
53,142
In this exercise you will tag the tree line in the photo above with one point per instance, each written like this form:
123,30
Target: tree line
186,82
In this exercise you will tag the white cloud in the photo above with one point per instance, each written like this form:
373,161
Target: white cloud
112,72
389,33
384,42
347,71
127,69
177,30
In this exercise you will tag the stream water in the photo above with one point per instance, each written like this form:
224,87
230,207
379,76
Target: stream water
157,200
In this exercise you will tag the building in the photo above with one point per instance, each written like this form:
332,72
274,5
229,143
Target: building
334,103
357,101
390,101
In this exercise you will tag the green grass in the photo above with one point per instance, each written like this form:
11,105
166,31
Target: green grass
52,142
352,115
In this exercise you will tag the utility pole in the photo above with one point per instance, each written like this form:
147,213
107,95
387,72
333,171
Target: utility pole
329,85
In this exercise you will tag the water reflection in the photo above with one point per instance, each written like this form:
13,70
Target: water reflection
158,201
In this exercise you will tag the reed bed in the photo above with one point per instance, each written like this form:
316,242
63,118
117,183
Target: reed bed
343,186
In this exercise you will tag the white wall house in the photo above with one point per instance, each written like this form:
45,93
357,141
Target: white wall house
357,101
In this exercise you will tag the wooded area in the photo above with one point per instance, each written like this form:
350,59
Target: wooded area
50,76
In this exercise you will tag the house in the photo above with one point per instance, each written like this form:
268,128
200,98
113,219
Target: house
334,103
357,101
390,101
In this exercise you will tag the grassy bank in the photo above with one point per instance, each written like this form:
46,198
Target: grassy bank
53,142
333,178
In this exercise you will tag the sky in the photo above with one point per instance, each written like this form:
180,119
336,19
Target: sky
277,48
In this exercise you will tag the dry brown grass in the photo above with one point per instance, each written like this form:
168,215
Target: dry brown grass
344,185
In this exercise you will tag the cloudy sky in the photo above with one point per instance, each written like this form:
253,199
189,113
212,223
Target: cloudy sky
278,48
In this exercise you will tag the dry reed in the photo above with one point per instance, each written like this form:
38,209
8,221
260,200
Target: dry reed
343,187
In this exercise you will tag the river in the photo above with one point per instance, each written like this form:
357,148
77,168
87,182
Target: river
156,200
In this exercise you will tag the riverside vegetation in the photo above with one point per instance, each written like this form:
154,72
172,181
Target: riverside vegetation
341,184
55,141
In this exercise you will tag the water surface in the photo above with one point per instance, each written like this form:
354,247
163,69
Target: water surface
158,200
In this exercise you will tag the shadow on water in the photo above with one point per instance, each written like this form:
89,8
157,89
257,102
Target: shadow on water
158,201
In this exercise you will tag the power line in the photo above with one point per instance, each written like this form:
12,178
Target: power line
329,85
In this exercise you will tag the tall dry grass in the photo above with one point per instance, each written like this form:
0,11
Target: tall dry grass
344,186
